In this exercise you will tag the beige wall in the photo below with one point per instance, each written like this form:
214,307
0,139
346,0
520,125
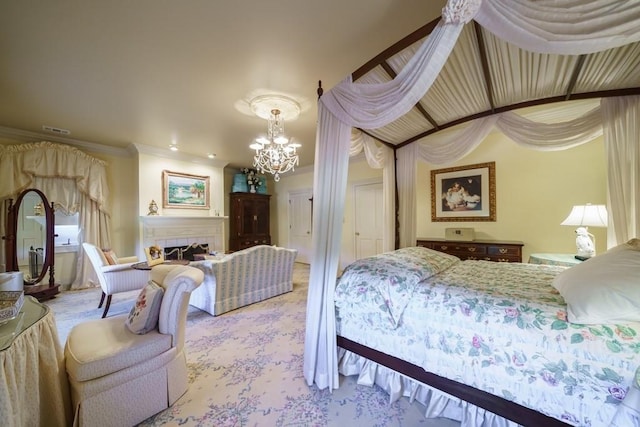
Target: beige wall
150,184
302,179
534,193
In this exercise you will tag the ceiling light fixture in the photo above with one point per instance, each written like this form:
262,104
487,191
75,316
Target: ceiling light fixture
275,154
211,156
173,147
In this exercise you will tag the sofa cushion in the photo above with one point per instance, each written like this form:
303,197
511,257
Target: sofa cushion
88,357
110,256
143,316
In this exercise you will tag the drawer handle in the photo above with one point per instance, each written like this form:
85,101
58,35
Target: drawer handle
503,250
444,248
471,249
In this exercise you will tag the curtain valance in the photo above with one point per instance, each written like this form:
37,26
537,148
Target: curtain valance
19,164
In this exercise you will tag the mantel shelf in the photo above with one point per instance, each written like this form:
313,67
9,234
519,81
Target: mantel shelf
165,218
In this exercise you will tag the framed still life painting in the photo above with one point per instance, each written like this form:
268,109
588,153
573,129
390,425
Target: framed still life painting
464,193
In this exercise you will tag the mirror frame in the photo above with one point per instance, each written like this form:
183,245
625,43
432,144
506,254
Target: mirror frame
11,241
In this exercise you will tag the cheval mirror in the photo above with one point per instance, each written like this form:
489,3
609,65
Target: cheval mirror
29,243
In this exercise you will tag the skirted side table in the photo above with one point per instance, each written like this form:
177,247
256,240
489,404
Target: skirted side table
34,389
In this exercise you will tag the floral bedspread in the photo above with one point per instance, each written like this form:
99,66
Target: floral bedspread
385,283
502,328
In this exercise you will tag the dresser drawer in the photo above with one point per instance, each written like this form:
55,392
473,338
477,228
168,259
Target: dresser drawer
504,251
461,248
487,250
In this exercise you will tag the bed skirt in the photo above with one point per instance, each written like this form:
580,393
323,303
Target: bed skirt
437,403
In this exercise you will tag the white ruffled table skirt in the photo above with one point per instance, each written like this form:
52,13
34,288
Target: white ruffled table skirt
34,390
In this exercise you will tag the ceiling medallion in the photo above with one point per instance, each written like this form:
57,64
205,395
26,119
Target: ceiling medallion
262,106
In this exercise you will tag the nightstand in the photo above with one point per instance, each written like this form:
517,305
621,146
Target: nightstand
566,260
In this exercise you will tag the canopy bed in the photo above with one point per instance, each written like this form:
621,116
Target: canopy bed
377,104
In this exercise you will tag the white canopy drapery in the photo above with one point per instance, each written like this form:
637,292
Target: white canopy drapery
595,25
73,180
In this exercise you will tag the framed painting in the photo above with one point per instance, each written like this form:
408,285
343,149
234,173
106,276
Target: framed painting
155,255
181,190
464,193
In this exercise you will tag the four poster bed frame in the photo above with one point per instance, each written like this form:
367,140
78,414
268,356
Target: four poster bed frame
492,403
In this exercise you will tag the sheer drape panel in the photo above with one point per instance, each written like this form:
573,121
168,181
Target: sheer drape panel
448,147
621,123
367,107
329,189
551,136
406,176
370,106
571,28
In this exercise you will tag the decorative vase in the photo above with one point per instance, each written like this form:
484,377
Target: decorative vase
252,189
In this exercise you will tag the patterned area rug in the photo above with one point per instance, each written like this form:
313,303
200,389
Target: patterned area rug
245,368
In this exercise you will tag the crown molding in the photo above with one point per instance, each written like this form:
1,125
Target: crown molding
20,135
28,136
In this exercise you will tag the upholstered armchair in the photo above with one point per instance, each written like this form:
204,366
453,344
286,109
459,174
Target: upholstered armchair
119,376
114,277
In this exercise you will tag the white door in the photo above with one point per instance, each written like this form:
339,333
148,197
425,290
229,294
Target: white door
368,219
300,224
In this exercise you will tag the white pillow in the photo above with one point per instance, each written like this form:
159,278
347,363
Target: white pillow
604,289
144,314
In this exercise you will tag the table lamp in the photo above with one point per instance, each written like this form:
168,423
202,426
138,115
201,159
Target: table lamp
585,216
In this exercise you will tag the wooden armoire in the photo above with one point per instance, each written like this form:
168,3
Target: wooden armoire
248,220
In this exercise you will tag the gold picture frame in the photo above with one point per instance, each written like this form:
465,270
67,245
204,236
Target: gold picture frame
185,191
155,255
464,193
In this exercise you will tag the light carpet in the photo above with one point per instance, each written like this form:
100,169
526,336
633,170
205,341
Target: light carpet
245,368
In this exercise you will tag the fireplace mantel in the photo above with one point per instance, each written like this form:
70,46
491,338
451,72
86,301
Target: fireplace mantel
165,231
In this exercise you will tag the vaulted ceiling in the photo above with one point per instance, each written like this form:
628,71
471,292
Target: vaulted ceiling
157,72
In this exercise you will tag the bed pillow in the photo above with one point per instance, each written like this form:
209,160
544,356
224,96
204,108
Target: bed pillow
381,286
144,314
604,289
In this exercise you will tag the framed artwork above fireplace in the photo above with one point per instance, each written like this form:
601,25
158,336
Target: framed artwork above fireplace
181,190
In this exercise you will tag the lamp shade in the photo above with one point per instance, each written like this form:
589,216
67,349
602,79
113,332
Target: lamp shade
587,215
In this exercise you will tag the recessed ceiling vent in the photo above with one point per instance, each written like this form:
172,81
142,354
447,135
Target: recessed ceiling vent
55,130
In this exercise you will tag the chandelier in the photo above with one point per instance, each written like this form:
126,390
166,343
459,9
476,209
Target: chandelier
275,153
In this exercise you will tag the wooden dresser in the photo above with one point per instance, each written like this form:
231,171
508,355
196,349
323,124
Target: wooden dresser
248,220
489,250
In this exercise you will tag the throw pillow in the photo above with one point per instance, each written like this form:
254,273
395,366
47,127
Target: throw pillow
604,289
111,257
144,314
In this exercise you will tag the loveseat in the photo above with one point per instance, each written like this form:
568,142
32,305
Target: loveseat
244,277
